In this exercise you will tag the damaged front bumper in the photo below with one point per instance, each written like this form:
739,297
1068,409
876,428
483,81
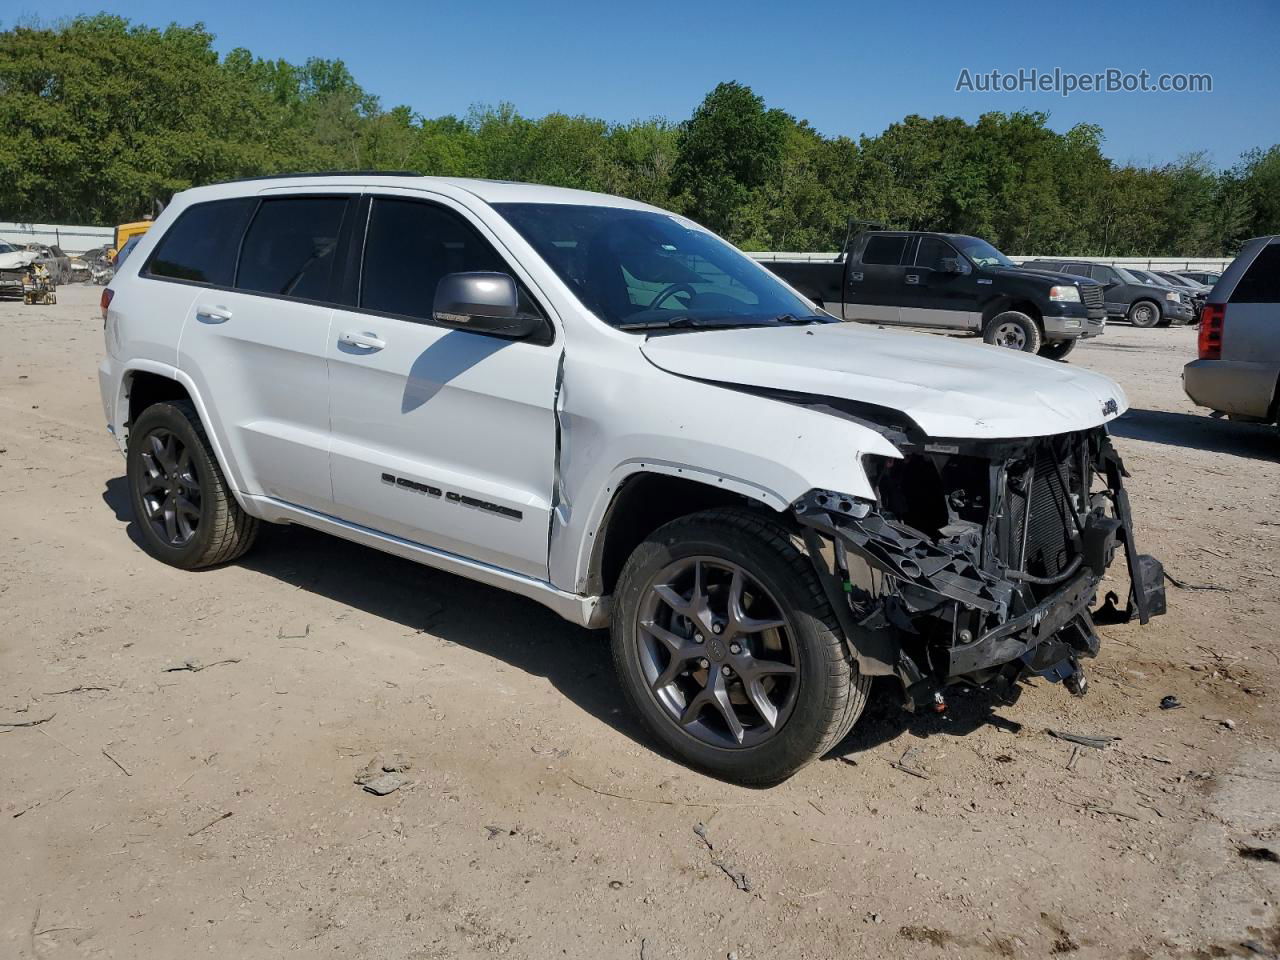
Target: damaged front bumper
980,563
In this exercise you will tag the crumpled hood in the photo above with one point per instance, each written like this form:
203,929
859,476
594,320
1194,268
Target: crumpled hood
950,388
17,260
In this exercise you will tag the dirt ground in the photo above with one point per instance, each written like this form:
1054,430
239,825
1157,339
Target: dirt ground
150,813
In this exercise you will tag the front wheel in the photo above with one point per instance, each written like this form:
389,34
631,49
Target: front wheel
728,650
1014,330
1057,349
1144,313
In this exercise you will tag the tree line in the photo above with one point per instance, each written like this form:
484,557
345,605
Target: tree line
102,120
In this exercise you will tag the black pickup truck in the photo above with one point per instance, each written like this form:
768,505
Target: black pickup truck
953,282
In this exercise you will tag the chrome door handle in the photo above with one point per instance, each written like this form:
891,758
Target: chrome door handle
209,314
365,341
913,278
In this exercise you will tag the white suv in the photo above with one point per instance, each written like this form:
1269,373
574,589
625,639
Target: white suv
604,407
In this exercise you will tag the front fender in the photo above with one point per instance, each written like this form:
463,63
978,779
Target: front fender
643,419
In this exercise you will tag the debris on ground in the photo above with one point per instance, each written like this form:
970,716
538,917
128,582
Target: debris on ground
1221,721
904,764
195,666
27,723
218,819
1170,703
740,879
81,688
381,777
1265,854
1097,742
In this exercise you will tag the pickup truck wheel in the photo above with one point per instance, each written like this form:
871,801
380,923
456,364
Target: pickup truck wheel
1144,313
725,645
1057,349
1015,331
184,507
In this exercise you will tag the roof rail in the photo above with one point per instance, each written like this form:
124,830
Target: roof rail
326,173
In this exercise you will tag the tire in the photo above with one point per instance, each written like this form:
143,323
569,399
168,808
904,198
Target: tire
1057,349
815,705
1144,313
1014,330
169,465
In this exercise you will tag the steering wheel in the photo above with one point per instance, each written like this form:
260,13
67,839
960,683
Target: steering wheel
670,290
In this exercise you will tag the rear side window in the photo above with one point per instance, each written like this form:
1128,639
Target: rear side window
884,250
410,245
1261,282
201,245
291,246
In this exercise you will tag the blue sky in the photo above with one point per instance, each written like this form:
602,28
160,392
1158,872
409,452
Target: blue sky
848,67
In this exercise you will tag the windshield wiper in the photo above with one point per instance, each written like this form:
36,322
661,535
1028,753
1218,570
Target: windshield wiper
791,318
666,323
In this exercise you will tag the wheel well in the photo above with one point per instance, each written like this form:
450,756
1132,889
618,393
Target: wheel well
1022,306
145,389
643,503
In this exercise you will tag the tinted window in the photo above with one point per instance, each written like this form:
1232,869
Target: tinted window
1261,282
290,247
409,247
1102,274
201,245
933,251
886,250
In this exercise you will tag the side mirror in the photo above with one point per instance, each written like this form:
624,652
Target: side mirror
952,265
483,303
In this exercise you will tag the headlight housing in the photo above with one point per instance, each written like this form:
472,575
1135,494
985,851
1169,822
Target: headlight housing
1174,296
1064,294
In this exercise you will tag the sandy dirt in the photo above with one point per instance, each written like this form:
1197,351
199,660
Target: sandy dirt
150,813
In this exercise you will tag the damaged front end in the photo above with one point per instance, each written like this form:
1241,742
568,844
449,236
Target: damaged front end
980,561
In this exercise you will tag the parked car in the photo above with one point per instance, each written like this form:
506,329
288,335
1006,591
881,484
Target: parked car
1143,303
1238,370
602,406
1198,291
15,264
952,282
1207,277
54,260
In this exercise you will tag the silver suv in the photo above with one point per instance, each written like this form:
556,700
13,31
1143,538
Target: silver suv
1238,371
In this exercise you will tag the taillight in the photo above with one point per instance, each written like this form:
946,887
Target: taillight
107,294
1212,318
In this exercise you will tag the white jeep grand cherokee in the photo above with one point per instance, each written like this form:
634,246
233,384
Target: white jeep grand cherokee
603,407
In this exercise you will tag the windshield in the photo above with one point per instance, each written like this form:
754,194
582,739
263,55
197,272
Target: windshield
1127,276
981,252
638,269
7,247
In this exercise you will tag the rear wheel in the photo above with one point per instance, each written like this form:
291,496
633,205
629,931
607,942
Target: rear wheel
1014,330
1057,349
1144,313
726,647
181,500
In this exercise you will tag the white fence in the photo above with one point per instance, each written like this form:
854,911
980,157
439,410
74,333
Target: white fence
71,238
1141,263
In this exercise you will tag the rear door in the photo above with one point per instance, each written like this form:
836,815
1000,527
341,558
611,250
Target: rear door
942,297
876,279
441,436
256,347
1251,328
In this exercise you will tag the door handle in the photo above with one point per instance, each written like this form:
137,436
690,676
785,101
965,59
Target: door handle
913,278
208,314
365,341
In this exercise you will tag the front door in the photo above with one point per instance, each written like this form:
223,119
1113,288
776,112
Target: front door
946,289
440,436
